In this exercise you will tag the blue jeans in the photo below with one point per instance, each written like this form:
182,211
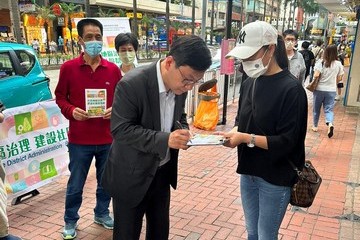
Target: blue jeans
80,160
264,207
327,99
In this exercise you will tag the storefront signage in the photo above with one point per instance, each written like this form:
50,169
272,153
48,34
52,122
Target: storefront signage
61,21
26,7
131,15
33,149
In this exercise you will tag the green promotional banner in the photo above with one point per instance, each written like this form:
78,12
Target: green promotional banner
33,149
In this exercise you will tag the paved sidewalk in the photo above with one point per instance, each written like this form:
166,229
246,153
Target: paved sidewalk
207,203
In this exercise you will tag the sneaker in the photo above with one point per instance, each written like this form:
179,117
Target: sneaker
69,231
330,130
10,237
315,129
337,98
107,221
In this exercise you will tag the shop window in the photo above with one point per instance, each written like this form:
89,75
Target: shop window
6,67
27,60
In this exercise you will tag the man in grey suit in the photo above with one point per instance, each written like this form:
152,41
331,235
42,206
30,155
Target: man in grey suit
142,163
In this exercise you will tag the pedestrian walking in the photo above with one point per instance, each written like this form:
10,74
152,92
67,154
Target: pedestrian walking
61,45
143,159
89,137
330,72
296,61
272,113
35,45
126,45
308,56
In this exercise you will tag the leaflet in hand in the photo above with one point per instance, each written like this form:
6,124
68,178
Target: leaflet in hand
206,139
95,101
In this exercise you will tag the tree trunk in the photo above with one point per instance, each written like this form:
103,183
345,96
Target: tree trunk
272,11
135,22
71,36
264,10
87,8
14,11
293,17
283,26
278,14
253,16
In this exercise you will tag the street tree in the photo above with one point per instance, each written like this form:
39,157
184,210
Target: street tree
44,14
68,9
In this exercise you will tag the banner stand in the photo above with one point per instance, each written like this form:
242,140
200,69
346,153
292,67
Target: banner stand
18,199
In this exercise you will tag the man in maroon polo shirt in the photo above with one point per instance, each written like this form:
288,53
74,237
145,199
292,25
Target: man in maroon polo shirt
84,94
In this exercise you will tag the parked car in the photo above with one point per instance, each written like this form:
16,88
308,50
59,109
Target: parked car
22,79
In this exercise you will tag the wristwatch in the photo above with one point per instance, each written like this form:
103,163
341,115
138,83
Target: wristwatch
251,144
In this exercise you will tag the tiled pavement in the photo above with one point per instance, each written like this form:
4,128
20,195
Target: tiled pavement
207,205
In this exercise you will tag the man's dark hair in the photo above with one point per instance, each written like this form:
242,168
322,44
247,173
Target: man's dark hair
88,21
319,42
305,45
192,51
290,32
126,38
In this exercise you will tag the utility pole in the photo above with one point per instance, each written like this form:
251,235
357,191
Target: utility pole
226,78
212,22
203,20
193,17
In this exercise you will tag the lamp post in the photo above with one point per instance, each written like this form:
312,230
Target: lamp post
226,78
212,22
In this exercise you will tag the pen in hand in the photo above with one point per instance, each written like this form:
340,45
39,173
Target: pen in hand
179,126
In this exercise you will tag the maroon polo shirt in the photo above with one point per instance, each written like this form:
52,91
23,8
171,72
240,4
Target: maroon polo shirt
76,76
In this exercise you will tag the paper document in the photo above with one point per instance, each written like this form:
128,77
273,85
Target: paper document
206,139
95,100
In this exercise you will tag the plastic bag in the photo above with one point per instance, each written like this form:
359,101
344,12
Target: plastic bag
346,62
207,115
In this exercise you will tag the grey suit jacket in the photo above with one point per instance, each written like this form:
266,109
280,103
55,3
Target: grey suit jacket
138,143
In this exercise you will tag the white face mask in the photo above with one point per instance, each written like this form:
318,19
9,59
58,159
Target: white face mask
289,45
256,67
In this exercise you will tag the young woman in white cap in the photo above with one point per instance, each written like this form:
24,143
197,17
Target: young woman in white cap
270,129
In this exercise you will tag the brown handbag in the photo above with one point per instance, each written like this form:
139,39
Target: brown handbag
304,191
313,84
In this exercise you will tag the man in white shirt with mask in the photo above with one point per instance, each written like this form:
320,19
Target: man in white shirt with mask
296,61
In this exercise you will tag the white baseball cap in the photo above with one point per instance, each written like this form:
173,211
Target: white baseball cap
252,37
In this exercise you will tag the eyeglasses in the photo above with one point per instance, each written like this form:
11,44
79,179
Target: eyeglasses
188,81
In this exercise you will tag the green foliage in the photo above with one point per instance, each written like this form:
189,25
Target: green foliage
70,8
44,12
105,13
177,25
309,6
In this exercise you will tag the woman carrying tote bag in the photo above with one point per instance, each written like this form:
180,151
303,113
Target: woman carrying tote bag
330,71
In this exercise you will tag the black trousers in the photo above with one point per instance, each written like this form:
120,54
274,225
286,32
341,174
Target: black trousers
155,206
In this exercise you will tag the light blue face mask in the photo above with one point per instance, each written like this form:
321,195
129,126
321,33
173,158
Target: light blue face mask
93,48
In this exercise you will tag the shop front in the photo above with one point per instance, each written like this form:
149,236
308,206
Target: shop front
5,24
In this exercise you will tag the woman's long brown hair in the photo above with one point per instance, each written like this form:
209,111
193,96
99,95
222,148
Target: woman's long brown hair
330,55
